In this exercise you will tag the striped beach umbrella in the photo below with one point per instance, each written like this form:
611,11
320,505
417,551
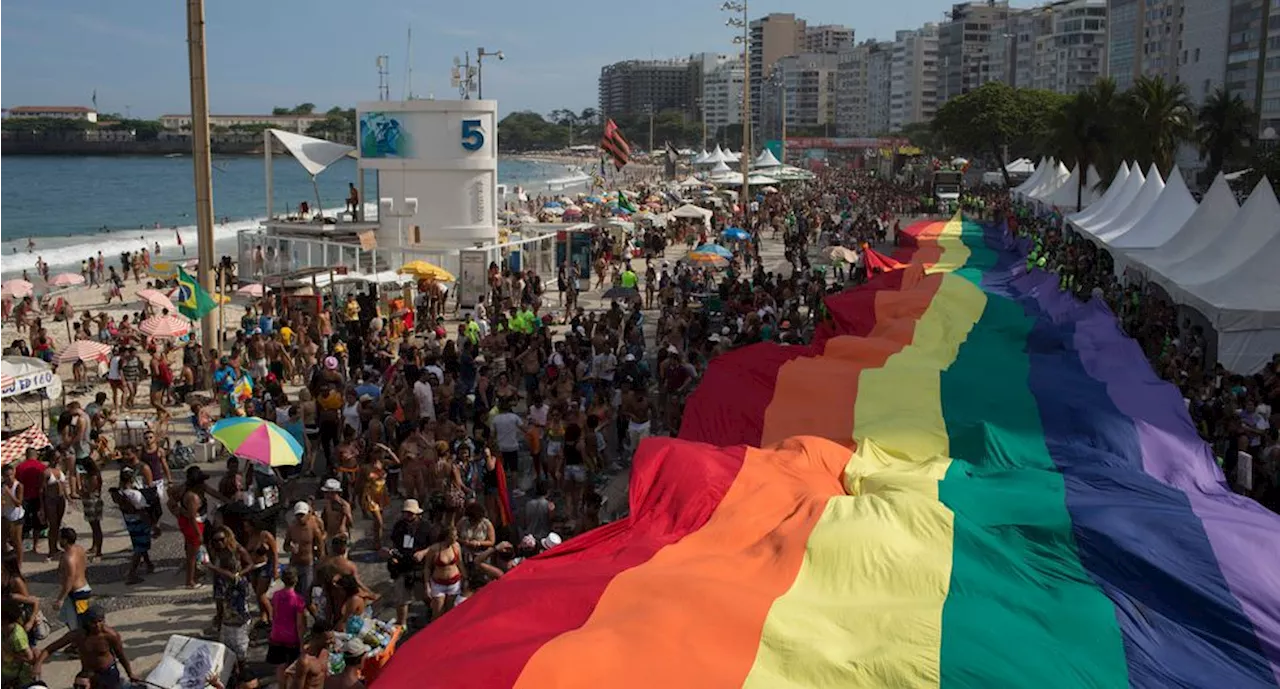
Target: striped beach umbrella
67,280
165,326
258,440
158,299
84,350
17,288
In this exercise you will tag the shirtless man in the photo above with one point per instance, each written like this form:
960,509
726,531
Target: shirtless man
305,543
413,470
336,514
100,649
636,410
312,667
75,594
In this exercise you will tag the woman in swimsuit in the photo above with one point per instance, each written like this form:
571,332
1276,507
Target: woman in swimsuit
264,553
373,496
444,572
14,514
54,501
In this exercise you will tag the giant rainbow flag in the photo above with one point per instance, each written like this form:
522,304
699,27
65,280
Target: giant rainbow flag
969,480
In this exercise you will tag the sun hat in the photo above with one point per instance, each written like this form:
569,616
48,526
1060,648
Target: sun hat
331,485
331,363
552,540
411,506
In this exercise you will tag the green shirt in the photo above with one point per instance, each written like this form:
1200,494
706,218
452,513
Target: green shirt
15,668
629,279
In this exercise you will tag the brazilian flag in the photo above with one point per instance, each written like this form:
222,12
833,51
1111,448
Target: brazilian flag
625,204
193,302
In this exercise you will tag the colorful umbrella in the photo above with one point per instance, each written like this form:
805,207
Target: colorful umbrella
17,289
258,440
165,326
707,259
735,233
158,299
84,350
253,289
15,446
714,249
67,280
423,269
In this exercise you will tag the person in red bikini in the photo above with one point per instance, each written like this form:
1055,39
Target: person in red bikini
444,572
192,508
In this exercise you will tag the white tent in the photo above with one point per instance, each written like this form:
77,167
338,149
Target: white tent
1253,227
1138,207
1092,183
313,154
1243,306
1164,218
1132,185
1052,180
731,157
1095,209
700,158
692,212
716,156
765,159
20,375
1033,180
721,167
1065,195
1202,229
1021,166
755,179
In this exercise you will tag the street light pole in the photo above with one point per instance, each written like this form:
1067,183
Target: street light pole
740,7
649,107
481,54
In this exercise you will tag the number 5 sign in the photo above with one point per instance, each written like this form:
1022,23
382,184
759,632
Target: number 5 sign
472,135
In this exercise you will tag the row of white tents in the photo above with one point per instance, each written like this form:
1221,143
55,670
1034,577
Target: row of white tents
1215,257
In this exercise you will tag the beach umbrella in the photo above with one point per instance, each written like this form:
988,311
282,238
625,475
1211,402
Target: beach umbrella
735,233
594,199
573,213
258,440
15,447
553,210
84,350
714,249
623,293
707,259
527,218
158,299
552,204
253,289
165,326
163,269
17,288
423,269
67,280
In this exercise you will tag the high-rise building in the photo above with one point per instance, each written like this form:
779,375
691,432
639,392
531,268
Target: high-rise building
1253,59
722,97
634,86
1203,63
700,66
913,77
772,38
965,52
803,88
827,38
1144,39
851,89
879,88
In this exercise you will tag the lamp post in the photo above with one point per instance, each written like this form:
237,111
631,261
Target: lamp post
739,7
481,54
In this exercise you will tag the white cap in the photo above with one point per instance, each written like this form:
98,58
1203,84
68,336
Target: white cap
330,485
301,507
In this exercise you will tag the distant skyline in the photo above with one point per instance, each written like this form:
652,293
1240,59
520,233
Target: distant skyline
286,52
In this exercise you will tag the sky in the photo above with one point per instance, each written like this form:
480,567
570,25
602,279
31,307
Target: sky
284,52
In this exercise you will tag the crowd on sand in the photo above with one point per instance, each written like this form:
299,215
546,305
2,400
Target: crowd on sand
1233,413
452,444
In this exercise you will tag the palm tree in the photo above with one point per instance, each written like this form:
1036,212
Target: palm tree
1083,131
1159,118
1224,130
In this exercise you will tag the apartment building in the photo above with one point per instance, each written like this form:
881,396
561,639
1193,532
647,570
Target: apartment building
1253,59
772,38
879,88
722,96
913,77
1144,39
633,86
827,38
965,51
807,84
1202,66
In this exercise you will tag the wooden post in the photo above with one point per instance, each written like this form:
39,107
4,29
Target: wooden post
200,155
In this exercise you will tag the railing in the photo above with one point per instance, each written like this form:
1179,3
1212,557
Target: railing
261,254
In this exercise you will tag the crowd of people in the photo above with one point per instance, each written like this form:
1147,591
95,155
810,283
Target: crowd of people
450,445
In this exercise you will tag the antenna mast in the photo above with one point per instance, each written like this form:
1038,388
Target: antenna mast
408,74
384,88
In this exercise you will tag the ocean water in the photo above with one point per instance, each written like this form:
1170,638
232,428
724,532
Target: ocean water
73,207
